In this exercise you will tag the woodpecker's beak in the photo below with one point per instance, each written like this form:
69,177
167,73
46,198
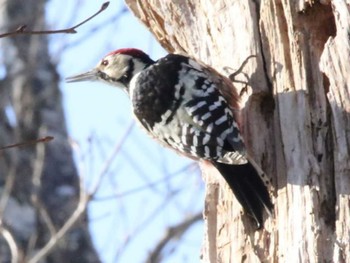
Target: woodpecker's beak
87,76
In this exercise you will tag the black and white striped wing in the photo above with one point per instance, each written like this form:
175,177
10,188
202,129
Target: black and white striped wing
214,132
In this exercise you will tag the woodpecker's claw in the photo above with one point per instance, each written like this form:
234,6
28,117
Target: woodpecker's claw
87,76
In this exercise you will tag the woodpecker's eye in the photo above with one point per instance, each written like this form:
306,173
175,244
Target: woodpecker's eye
104,62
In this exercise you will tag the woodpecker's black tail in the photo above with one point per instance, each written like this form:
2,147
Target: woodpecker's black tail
248,188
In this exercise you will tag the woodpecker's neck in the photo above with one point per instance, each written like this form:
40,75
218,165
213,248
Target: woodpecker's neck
134,68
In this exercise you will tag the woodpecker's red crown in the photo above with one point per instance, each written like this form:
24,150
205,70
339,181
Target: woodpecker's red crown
134,52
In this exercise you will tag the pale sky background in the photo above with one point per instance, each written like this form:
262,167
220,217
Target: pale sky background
98,117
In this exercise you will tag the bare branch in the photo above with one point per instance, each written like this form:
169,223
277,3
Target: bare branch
7,190
91,32
103,7
11,243
83,201
36,179
22,30
173,232
143,224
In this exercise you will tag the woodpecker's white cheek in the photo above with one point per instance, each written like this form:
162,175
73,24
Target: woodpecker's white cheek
115,73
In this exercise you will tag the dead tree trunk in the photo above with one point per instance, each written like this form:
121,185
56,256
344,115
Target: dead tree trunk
296,119
39,182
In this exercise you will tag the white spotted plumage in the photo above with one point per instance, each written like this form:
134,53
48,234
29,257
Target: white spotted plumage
194,128
191,108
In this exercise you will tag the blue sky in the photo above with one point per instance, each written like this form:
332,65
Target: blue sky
98,117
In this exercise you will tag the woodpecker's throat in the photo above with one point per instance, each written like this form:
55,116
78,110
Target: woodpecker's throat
107,78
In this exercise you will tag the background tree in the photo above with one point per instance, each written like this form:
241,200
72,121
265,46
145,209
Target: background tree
40,183
296,119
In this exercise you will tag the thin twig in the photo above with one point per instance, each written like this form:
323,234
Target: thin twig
239,70
146,186
109,161
22,30
91,33
16,145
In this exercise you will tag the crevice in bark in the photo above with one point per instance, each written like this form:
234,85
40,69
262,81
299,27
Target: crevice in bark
285,35
317,24
267,107
265,100
328,207
264,57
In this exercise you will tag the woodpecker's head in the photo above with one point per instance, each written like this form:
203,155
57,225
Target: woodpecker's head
116,68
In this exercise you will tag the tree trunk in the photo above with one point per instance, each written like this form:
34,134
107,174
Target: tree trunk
296,119
42,186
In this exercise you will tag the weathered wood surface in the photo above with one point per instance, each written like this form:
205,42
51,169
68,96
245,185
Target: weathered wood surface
296,119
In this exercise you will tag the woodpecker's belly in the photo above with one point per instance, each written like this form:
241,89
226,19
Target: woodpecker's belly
170,129
164,120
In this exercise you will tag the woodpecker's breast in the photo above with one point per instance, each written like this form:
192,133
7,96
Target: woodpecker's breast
156,93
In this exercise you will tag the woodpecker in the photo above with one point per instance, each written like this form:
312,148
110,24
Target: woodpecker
191,108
